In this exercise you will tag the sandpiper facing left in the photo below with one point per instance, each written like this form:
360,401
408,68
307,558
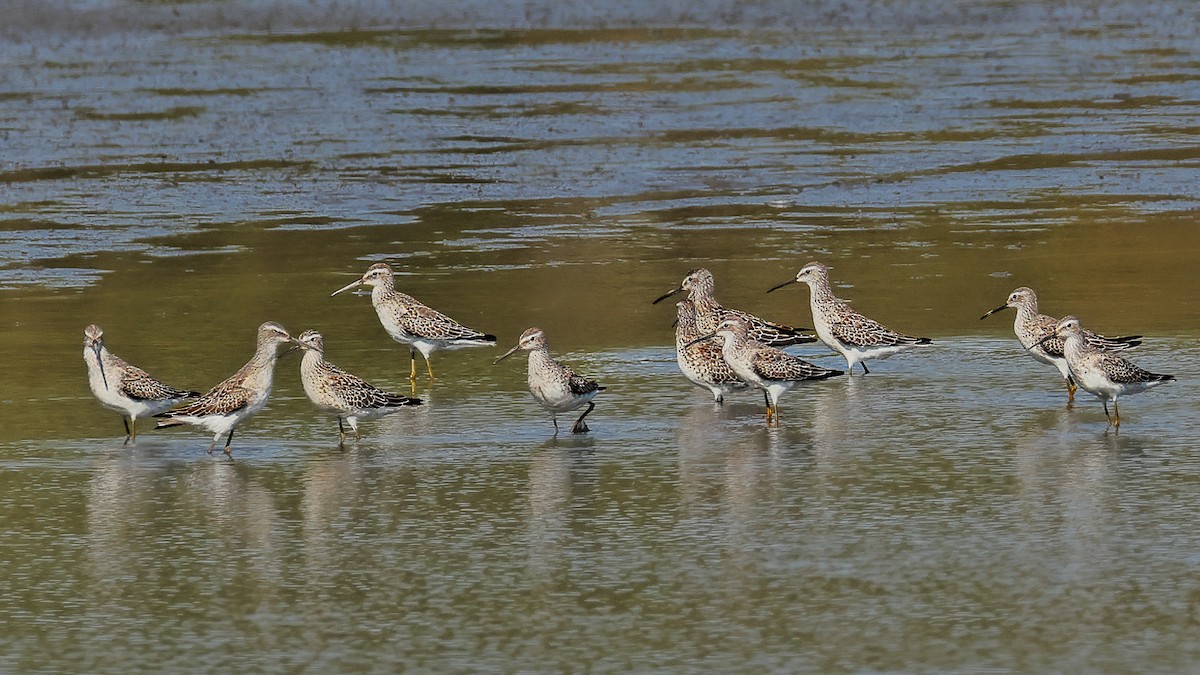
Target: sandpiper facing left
558,388
770,369
125,388
1035,331
848,332
339,393
699,283
702,362
1103,374
411,323
241,395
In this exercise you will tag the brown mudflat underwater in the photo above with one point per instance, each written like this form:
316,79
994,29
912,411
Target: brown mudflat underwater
179,173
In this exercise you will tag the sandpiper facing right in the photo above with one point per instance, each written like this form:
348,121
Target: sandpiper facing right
241,395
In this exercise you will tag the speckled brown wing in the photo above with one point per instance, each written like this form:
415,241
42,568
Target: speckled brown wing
224,399
357,393
1044,326
766,332
138,385
1121,371
856,330
1108,344
580,385
772,364
707,357
421,320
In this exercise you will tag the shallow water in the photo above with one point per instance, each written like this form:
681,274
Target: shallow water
179,174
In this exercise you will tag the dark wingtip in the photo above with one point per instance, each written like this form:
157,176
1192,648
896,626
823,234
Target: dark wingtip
489,337
924,341
194,394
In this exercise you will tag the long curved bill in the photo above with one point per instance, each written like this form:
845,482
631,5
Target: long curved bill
998,309
702,338
789,282
1041,342
507,354
353,284
101,362
667,295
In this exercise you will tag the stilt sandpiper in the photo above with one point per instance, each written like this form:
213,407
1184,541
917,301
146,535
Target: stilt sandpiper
339,393
554,385
1032,328
1101,373
411,323
125,388
851,334
770,369
699,286
702,362
243,394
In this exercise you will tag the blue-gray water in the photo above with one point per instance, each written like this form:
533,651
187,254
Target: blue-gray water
180,172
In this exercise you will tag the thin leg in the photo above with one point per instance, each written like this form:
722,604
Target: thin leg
767,400
864,365
554,418
1116,414
769,413
1106,415
128,433
341,431
776,410
1071,387
212,445
429,366
133,427
412,371
581,426
228,440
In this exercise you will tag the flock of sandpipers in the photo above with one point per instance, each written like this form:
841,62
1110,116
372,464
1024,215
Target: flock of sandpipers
748,355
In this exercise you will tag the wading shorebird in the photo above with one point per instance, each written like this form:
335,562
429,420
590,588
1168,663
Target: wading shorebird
702,362
770,369
242,395
1036,333
1103,374
699,286
339,393
851,334
558,388
125,388
411,323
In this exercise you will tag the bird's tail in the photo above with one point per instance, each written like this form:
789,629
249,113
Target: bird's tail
167,421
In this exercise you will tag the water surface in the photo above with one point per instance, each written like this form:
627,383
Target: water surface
179,173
